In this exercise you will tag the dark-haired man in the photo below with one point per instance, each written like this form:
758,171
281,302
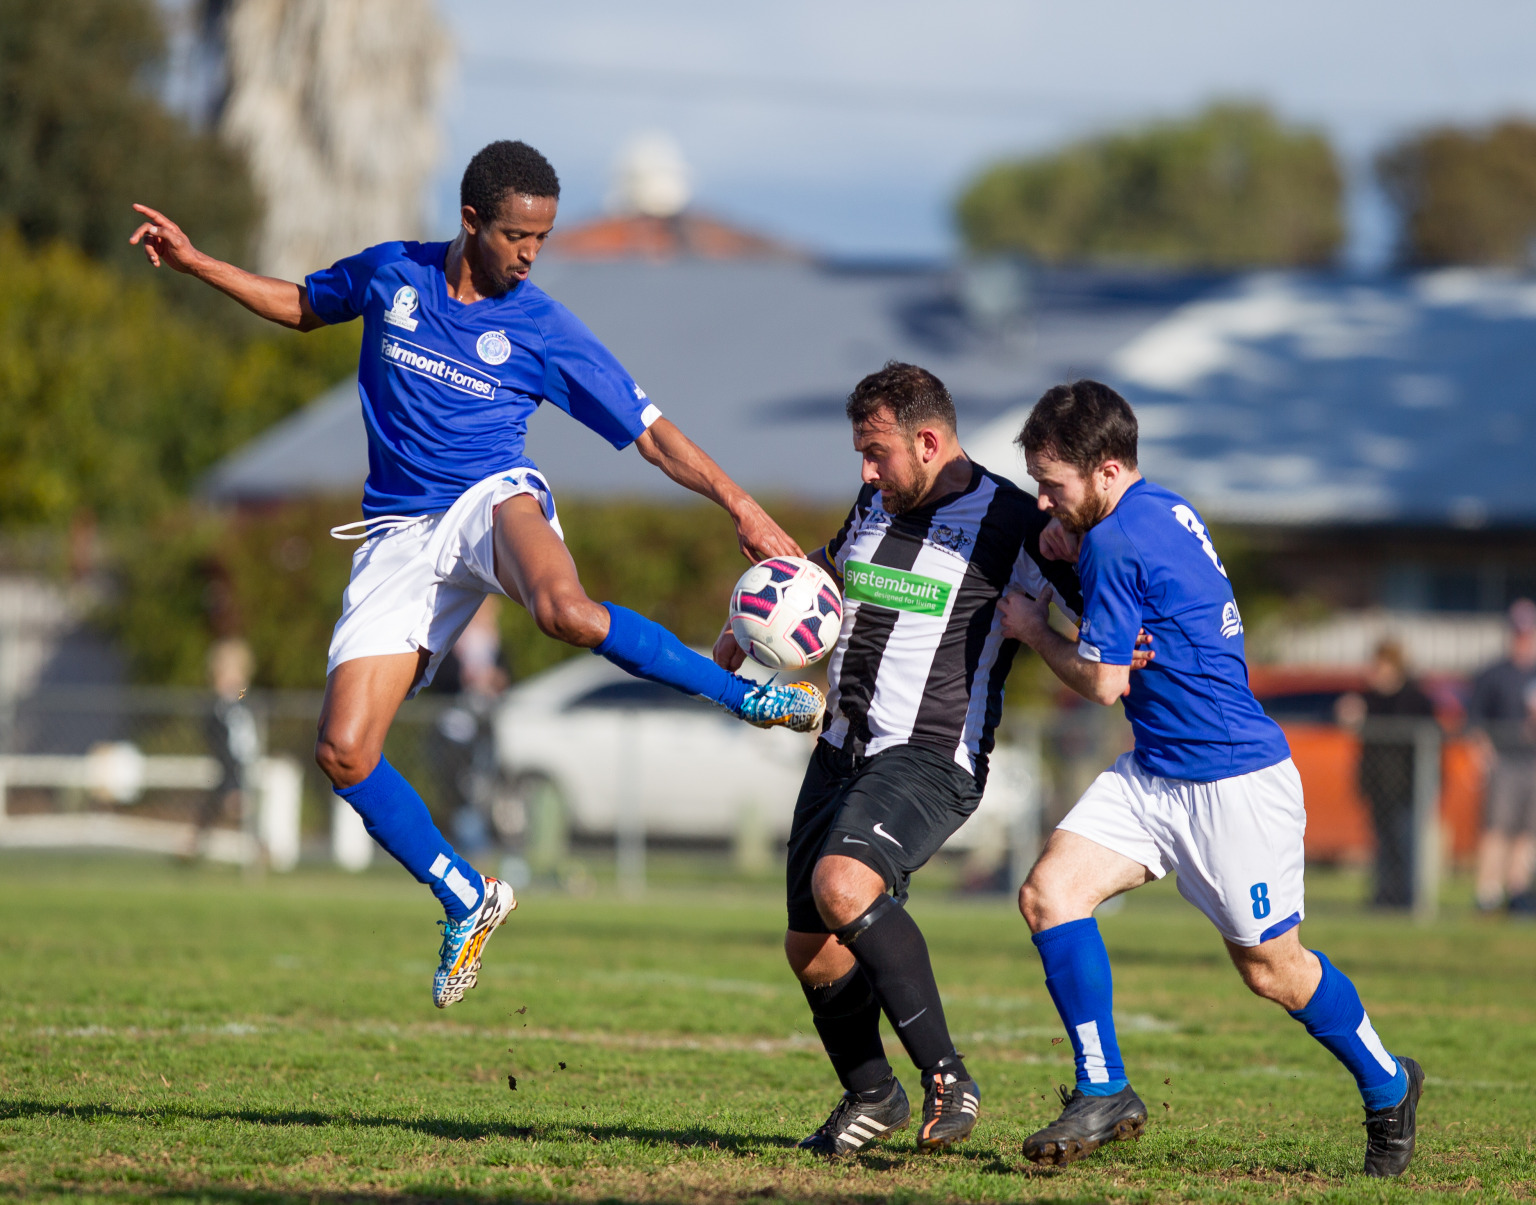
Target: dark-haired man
459,348
1209,791
916,682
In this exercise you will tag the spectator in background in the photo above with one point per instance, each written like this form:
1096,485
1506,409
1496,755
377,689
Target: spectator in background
1503,715
230,729
462,745
1382,715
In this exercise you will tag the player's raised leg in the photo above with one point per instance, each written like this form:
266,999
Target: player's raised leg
1322,998
535,568
1073,877
361,698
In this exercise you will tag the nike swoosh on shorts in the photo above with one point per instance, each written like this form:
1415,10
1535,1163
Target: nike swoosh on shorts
880,832
854,841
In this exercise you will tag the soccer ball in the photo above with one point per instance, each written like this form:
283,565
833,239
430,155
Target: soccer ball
786,612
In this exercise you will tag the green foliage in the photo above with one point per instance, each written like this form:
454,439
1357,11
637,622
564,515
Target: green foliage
82,138
1465,196
112,401
1229,188
277,579
237,1041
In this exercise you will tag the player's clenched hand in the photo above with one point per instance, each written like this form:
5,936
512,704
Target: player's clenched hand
728,654
759,536
1058,544
1025,618
163,241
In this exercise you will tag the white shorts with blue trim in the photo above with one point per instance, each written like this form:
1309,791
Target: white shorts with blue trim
1235,844
416,583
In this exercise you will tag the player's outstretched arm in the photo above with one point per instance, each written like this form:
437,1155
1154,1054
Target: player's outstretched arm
279,301
690,466
1027,619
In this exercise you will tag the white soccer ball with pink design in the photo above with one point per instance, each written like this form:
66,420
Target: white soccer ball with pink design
786,612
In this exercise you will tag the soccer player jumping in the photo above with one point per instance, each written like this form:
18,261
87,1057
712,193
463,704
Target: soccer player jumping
459,348
1209,791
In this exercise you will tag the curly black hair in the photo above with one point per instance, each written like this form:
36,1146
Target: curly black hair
913,395
505,167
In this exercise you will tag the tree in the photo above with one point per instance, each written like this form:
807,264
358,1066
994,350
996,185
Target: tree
113,401
1465,196
1230,188
81,137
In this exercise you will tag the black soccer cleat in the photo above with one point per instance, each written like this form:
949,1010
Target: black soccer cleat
855,1122
1086,1123
1390,1133
949,1111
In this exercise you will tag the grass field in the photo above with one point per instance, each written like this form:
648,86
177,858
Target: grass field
181,1034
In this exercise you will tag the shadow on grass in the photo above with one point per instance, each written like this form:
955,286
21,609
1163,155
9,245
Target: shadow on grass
224,1194
460,1131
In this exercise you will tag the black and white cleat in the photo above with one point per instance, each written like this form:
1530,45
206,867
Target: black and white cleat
854,1123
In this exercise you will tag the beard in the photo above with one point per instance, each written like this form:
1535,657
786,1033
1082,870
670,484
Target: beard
898,497
1079,519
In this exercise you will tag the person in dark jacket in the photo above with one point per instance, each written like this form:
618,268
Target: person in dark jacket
1383,714
1502,713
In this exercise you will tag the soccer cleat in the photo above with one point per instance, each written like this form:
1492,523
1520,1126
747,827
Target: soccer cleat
1389,1133
797,706
855,1122
949,1111
458,959
1086,1123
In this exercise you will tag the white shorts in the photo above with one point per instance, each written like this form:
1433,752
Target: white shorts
418,586
1235,844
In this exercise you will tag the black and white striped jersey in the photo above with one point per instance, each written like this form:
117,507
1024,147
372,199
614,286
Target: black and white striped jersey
921,657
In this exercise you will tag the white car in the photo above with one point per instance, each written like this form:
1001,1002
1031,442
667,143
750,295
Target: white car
600,746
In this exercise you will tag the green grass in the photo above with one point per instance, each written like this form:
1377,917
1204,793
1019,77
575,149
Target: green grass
183,1034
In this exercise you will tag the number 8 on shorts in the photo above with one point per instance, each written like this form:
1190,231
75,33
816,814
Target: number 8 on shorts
1259,893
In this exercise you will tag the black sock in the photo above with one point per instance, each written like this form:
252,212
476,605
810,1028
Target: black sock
889,947
847,1017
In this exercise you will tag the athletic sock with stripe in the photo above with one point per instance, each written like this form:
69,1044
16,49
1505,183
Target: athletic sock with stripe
643,647
847,1017
1337,1019
889,948
1078,978
397,819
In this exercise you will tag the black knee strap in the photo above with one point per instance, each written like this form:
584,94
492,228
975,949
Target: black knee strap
850,932
843,997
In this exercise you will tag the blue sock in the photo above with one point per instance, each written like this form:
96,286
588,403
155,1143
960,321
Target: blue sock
397,819
1077,976
642,647
1337,1019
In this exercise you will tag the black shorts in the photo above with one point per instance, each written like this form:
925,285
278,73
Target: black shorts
891,812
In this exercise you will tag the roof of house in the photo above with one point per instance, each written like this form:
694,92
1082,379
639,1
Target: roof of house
648,236
754,358
1291,399
1270,398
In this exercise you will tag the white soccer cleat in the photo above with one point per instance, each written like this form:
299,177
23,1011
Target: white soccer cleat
458,961
797,706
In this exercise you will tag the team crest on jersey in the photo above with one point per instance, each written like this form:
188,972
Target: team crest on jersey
953,538
1231,621
494,347
402,307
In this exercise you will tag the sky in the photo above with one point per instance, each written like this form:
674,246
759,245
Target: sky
849,126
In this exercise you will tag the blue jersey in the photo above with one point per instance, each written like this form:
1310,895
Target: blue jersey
1150,564
447,387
